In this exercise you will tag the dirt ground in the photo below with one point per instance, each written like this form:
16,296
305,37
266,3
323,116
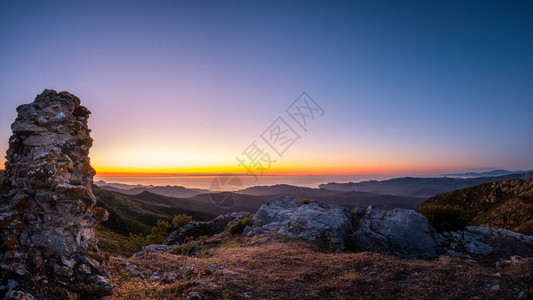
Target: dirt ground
293,269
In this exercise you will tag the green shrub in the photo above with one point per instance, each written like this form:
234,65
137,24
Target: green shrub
120,245
180,220
355,277
230,244
185,249
193,248
445,217
305,201
205,253
238,227
134,243
202,238
159,233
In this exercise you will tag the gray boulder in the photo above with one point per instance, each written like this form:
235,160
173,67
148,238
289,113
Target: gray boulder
196,229
313,221
401,232
476,240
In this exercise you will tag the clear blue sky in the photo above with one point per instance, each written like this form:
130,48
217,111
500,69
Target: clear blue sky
407,86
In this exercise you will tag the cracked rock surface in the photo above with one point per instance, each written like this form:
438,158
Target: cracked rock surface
313,221
47,208
402,232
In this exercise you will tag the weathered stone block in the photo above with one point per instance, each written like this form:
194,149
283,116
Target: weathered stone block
47,208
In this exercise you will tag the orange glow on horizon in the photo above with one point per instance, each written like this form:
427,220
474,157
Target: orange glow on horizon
209,171
309,166
280,170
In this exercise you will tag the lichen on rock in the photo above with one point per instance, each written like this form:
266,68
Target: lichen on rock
47,208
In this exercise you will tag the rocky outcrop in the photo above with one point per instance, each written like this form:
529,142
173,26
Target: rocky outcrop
475,241
196,229
47,209
401,232
408,234
310,221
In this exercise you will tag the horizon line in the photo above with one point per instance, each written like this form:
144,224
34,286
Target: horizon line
156,174
406,173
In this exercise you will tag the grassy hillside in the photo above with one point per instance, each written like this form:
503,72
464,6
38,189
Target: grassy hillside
131,214
202,203
114,243
506,204
134,214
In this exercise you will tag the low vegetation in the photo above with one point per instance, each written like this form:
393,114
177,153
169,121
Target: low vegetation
305,201
135,222
185,249
505,204
159,233
194,248
181,220
239,226
114,243
120,245
355,277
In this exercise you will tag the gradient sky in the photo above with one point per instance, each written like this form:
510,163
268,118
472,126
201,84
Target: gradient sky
412,87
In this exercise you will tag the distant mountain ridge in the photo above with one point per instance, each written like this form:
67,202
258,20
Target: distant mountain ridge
489,173
418,186
347,199
252,198
168,190
404,192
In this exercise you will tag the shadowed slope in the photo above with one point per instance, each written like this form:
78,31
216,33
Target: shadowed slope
506,204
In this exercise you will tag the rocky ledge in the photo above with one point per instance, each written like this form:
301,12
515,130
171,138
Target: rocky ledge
401,232
47,209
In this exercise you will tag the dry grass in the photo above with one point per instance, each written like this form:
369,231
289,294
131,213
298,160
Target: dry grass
294,269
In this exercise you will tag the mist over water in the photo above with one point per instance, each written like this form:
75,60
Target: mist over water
204,181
